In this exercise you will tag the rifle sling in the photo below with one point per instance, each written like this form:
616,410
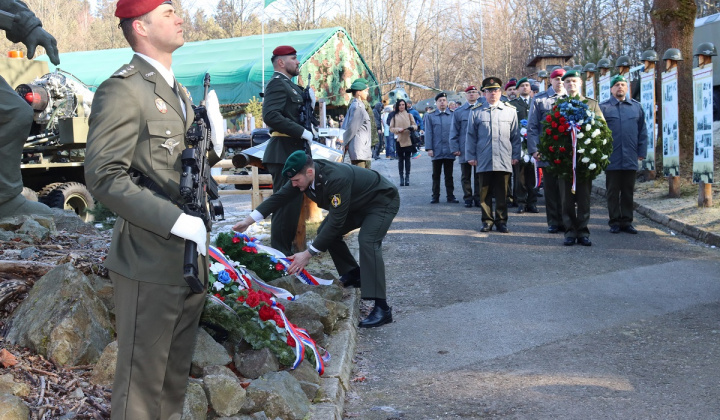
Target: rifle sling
141,180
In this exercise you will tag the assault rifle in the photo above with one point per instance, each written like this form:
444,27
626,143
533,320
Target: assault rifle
197,187
307,113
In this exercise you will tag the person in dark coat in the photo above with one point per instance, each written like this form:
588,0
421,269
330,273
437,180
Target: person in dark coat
458,135
437,145
524,170
626,119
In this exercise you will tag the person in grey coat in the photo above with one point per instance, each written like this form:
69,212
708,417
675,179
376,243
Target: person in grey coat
437,145
626,120
492,146
458,133
357,137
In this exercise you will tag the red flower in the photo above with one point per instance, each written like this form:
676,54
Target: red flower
555,137
562,128
221,250
557,161
554,124
252,300
266,313
548,131
253,239
280,305
291,341
231,273
246,249
562,149
562,120
552,149
217,295
548,118
279,267
235,240
241,298
279,321
557,115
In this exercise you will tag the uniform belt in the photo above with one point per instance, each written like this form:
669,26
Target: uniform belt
141,180
278,134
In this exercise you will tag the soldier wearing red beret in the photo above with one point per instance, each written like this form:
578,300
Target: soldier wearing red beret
138,125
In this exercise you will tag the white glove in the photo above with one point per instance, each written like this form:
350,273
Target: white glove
193,229
307,135
216,122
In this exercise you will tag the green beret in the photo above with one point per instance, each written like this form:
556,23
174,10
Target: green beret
617,78
357,85
571,73
521,81
294,163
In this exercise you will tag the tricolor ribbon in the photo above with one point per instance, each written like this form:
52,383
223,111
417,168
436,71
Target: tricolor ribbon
218,256
292,332
278,292
573,134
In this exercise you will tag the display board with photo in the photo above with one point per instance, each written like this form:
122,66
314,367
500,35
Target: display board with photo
647,101
670,129
702,111
604,86
590,88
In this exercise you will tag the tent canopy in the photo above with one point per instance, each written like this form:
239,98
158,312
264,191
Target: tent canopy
236,65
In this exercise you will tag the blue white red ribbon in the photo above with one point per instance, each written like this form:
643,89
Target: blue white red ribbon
574,128
218,256
302,339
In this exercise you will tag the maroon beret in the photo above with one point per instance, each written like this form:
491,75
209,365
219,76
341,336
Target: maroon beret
126,9
469,88
284,50
557,73
511,83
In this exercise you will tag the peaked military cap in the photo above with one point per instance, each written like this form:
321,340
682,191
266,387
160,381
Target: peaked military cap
440,95
491,83
127,9
617,78
571,73
284,50
294,163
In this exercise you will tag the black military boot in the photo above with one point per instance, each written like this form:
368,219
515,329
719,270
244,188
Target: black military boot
407,179
402,180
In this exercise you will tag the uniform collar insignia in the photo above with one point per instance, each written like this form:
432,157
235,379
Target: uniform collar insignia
170,145
161,105
152,73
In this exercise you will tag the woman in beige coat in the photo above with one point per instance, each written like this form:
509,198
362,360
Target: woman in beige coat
401,124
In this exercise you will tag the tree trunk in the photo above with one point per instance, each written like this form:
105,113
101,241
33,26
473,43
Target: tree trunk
674,23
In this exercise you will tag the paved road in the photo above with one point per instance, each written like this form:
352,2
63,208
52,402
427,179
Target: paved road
517,326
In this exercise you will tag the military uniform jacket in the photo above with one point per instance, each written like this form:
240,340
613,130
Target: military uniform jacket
493,138
341,189
458,130
281,112
626,120
137,122
357,136
437,133
523,109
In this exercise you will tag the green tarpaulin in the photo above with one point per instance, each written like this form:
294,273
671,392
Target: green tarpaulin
236,64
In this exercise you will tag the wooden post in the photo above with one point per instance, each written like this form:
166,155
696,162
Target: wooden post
704,195
673,181
256,197
650,174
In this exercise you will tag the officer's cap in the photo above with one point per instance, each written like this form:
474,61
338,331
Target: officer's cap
617,78
571,73
557,73
284,50
521,81
294,163
440,95
127,9
357,85
469,88
491,83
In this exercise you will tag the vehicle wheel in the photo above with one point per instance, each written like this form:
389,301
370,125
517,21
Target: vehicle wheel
29,194
49,187
71,196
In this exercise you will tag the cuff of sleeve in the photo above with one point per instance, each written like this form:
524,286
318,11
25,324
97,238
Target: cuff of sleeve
257,216
313,251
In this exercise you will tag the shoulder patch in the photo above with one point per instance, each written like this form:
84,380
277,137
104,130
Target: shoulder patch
509,105
477,105
335,200
125,71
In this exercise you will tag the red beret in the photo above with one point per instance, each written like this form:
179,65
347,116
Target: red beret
284,50
126,9
511,83
469,88
557,73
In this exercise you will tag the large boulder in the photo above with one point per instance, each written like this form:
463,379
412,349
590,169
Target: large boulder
311,306
103,373
195,406
224,390
253,364
9,386
13,408
308,377
277,394
208,352
63,319
70,222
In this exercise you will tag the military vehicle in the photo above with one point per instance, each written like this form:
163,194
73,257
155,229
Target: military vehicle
53,154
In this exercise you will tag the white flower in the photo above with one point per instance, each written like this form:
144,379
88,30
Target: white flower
588,127
218,286
592,166
604,141
585,160
604,157
216,268
581,122
523,131
595,133
589,113
592,152
581,151
580,135
588,141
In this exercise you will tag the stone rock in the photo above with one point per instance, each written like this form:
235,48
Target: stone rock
208,352
13,408
63,319
34,230
105,290
278,394
332,292
104,371
70,222
254,416
195,406
309,379
224,390
286,282
13,223
316,330
28,253
9,386
255,363
311,306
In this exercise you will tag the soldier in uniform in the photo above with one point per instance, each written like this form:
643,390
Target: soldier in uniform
576,207
539,108
458,135
524,171
138,125
16,116
626,119
281,112
492,146
354,198
437,145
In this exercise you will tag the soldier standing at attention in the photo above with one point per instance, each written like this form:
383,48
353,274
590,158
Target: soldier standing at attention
626,119
437,144
138,125
458,134
524,172
354,198
281,112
